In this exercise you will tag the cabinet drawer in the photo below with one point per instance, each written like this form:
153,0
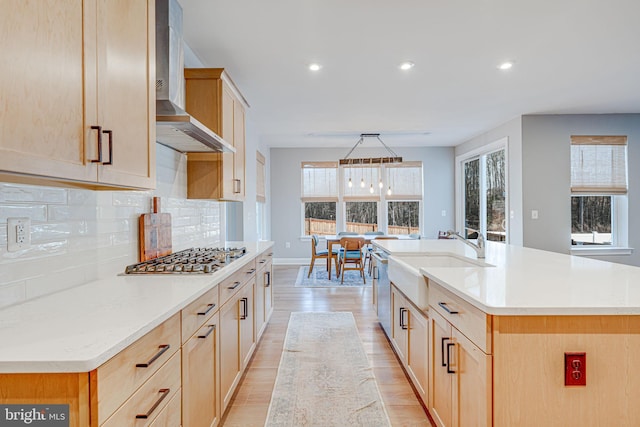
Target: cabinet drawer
232,284
151,398
263,259
471,321
171,415
119,377
195,314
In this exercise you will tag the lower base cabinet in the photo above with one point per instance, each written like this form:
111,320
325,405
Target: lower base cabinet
410,339
183,372
200,373
461,371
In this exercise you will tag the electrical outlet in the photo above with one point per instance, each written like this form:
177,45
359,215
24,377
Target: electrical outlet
287,245
18,234
575,369
534,214
444,212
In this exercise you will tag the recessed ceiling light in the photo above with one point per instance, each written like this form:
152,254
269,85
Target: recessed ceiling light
315,67
505,65
407,65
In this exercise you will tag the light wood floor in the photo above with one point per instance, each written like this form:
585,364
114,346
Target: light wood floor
251,401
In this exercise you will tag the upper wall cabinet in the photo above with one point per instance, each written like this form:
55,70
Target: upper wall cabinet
213,99
77,104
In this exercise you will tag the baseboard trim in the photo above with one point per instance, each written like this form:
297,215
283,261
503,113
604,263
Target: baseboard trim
291,261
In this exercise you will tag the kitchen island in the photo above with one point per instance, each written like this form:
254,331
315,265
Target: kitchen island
105,347
506,332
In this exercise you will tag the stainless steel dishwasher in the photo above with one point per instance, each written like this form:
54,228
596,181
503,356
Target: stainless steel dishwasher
383,289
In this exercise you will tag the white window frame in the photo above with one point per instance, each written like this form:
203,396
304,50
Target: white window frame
481,153
619,227
381,200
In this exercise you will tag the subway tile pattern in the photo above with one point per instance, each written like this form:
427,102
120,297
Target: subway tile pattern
82,235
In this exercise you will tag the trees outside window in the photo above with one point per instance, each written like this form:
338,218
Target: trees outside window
484,196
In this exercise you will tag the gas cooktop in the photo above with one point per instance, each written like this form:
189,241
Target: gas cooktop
193,260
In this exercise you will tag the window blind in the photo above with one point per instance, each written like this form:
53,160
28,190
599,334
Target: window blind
319,181
370,175
405,180
261,195
598,164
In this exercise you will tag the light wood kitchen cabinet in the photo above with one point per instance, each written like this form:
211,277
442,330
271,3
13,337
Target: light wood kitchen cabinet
213,99
461,372
410,339
115,381
246,317
73,118
230,368
264,293
200,362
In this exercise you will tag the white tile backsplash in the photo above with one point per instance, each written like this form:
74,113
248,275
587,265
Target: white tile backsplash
84,235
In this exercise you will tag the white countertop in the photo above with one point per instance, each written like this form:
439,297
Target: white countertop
79,329
527,281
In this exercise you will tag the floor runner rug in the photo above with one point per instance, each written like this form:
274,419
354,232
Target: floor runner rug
324,378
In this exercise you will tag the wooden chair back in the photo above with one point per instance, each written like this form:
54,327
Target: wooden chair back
352,243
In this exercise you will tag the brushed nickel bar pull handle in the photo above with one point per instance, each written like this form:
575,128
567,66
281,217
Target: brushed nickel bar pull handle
447,309
449,370
235,285
162,348
262,261
209,308
211,329
268,283
253,270
99,129
110,140
164,393
245,306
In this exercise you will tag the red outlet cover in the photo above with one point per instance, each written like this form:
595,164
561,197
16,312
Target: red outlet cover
575,369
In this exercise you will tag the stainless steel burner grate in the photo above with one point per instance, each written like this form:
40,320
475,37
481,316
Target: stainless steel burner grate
193,260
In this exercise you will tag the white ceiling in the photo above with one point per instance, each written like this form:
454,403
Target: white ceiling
571,56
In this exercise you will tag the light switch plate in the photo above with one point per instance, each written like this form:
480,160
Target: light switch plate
18,234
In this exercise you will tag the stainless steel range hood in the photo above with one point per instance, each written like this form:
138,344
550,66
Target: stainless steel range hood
175,128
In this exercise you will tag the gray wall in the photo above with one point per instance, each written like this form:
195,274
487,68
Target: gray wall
286,211
546,176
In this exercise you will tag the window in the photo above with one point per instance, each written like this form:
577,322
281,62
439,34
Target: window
319,197
598,190
261,197
403,217
403,206
380,197
484,191
362,216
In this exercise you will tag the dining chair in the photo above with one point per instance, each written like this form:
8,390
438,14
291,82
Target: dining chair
351,254
321,254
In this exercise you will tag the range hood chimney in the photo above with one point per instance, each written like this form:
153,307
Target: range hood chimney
175,128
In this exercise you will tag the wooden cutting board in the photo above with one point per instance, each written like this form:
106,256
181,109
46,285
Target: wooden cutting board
155,233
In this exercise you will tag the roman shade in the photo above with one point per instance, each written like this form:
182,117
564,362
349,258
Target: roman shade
261,195
405,180
370,175
319,181
598,164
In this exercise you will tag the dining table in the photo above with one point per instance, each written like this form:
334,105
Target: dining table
335,239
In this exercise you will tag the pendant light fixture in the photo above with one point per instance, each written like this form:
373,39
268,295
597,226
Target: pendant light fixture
393,158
